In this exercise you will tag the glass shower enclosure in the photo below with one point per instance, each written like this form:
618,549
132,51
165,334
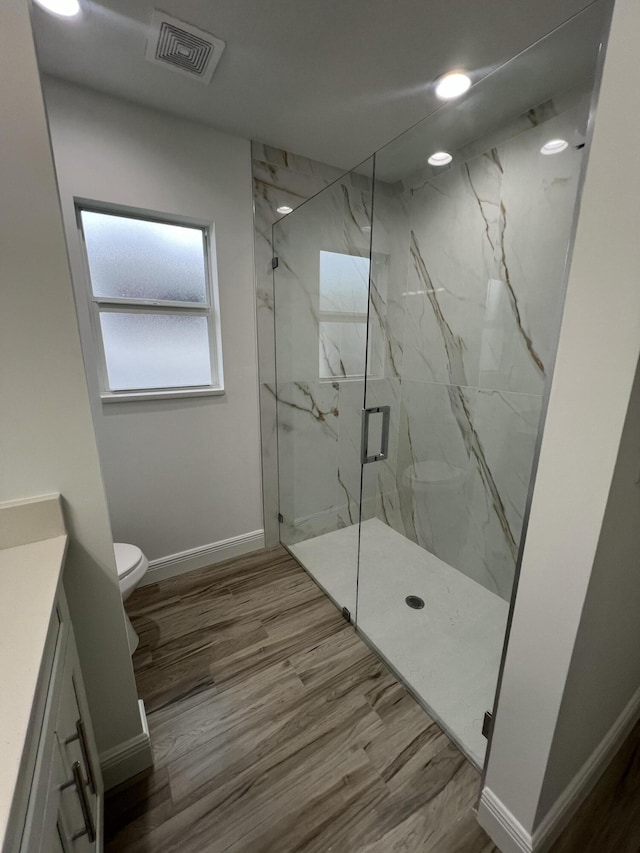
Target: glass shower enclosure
417,311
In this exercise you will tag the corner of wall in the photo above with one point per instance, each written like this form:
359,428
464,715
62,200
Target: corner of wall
48,442
129,758
592,385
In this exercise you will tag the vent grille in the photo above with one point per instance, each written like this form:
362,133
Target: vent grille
183,48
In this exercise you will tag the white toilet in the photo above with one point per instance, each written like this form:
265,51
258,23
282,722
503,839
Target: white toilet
132,566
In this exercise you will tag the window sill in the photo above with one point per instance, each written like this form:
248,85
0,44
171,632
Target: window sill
165,394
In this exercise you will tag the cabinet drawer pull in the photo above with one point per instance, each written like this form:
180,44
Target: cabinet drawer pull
89,826
82,734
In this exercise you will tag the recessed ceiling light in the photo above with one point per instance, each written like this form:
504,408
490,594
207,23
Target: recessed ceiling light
554,146
64,8
452,85
440,158
284,208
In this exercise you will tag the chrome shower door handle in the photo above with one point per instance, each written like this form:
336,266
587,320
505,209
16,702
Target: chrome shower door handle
365,457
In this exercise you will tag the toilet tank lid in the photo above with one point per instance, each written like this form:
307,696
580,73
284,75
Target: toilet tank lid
127,557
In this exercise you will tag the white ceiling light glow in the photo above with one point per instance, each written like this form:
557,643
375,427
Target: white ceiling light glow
554,146
63,8
452,85
440,158
284,209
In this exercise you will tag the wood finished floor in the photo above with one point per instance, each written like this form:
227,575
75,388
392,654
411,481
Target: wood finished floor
274,728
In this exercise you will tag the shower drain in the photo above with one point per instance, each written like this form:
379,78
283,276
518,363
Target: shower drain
415,601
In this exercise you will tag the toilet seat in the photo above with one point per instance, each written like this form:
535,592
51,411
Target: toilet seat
128,558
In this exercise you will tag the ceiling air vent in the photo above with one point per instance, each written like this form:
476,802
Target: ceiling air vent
183,48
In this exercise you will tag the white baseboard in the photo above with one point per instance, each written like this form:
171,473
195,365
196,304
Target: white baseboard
506,832
511,837
585,779
206,555
127,759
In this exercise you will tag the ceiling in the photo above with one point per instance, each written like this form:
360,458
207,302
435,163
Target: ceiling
333,80
554,76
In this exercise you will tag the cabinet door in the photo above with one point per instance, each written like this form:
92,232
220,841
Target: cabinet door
64,800
79,801
42,832
46,832
63,827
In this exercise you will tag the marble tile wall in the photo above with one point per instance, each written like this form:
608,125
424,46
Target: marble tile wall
279,178
467,287
320,416
483,298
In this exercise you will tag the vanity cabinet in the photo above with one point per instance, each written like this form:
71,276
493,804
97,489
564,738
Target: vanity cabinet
64,808
59,798
63,812
51,792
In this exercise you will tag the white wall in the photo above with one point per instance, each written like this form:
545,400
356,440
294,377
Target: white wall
179,474
605,668
47,442
596,362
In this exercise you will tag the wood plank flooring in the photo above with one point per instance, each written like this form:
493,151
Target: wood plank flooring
274,728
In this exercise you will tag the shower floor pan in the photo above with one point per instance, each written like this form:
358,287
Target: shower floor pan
448,652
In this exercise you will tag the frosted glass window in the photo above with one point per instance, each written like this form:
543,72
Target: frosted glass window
145,351
171,347
141,259
344,283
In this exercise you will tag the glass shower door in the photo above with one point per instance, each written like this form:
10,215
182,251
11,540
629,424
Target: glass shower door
467,280
416,321
321,281
431,598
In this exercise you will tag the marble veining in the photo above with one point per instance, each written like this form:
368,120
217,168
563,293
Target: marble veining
453,344
493,156
513,300
465,289
279,177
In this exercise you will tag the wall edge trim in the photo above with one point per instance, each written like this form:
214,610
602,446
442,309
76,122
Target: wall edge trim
579,788
509,834
128,758
504,829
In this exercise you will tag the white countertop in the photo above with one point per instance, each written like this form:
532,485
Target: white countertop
29,576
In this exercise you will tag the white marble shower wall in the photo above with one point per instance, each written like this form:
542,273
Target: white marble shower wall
279,178
391,240
320,384
488,244
467,288
320,472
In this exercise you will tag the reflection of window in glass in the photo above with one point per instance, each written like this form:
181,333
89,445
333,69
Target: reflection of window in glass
343,302
152,304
